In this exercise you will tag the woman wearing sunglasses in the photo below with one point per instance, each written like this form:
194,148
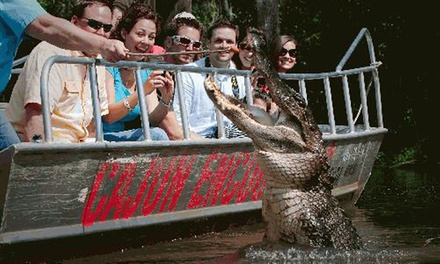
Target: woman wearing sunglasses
287,53
138,29
285,58
243,59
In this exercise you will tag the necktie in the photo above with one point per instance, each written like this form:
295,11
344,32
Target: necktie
235,89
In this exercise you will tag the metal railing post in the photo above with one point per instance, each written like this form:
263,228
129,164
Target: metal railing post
96,103
183,111
143,105
45,104
330,110
347,100
364,105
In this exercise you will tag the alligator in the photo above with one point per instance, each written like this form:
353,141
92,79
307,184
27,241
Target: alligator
298,206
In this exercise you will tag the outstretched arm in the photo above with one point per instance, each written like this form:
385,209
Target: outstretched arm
64,34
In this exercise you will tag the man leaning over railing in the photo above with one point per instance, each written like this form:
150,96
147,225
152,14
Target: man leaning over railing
20,17
69,86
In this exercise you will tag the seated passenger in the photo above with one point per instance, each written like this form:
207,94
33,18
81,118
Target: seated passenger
138,29
284,60
243,59
201,111
69,87
183,33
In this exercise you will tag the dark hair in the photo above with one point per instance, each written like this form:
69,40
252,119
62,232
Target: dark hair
173,27
133,14
80,5
222,23
237,61
236,57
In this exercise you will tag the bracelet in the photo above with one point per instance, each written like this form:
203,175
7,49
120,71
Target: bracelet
127,105
167,105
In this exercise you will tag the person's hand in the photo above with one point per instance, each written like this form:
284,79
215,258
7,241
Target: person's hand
114,50
156,80
167,89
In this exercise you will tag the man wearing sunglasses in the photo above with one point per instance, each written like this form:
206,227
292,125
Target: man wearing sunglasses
69,87
98,25
222,35
183,33
19,18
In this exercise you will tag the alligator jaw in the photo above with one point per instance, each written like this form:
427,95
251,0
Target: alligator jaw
297,203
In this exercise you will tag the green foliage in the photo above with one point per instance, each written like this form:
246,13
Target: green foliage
60,8
406,155
206,11
380,159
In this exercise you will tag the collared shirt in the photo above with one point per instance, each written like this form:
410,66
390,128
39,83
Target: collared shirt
69,94
201,110
15,16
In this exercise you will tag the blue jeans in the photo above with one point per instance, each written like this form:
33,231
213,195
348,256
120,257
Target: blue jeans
8,136
156,133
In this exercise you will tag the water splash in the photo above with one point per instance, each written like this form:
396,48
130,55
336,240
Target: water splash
266,254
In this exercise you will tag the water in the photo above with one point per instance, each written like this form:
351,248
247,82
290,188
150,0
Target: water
398,218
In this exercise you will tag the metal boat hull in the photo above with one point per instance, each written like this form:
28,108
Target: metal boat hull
60,190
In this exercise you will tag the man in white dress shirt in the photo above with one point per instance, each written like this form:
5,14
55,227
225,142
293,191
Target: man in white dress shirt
201,111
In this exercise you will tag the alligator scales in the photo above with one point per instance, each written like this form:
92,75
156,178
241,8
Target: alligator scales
298,206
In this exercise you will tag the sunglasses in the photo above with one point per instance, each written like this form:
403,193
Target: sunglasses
292,52
98,25
186,41
245,46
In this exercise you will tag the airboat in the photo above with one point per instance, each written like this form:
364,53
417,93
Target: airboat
54,190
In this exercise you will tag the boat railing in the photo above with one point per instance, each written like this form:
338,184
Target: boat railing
15,65
363,33
343,79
